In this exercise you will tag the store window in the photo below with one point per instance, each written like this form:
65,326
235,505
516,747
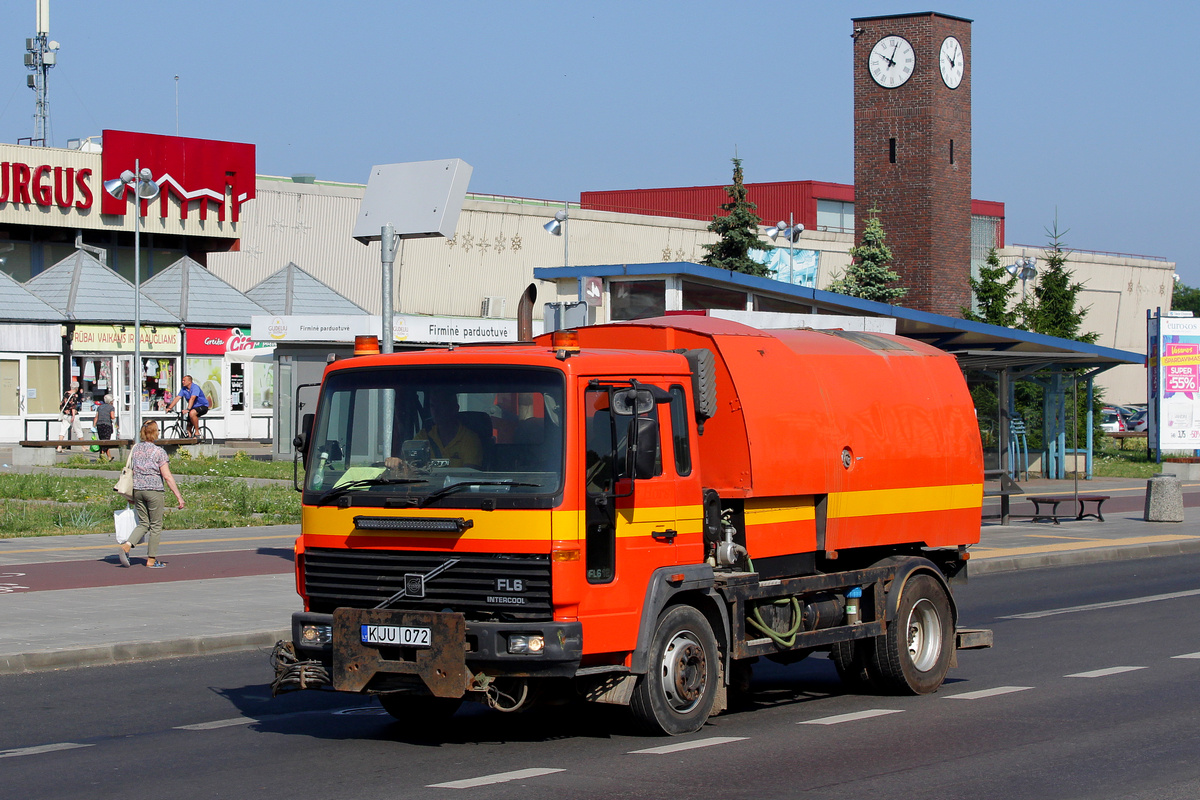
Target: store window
262,382
700,296
160,378
638,299
95,376
41,394
16,259
207,373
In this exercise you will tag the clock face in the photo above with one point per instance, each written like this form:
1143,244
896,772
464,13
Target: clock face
891,61
952,62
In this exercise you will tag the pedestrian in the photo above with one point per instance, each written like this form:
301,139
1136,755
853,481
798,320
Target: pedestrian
106,424
68,409
150,472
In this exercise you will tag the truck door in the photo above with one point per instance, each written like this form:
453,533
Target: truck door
630,525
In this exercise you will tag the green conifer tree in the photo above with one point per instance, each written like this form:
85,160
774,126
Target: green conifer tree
738,230
1052,309
870,272
993,291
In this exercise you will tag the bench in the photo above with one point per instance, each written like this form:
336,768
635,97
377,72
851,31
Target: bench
1053,502
1122,436
1007,487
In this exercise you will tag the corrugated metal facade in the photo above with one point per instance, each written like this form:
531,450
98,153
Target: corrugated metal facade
497,245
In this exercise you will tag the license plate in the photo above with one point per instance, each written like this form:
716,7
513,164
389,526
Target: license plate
395,635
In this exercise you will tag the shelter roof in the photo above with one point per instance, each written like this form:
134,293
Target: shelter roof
85,290
291,290
18,304
198,297
977,345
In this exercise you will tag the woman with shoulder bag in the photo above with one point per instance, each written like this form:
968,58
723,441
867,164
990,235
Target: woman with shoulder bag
150,473
68,408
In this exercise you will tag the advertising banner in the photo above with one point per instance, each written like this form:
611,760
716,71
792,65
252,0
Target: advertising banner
119,339
1173,382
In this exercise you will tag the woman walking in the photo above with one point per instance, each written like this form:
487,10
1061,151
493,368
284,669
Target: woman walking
150,472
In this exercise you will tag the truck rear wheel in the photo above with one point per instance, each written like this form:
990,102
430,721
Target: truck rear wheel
677,693
853,663
914,655
420,708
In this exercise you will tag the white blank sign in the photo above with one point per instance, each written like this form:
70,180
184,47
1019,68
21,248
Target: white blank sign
419,198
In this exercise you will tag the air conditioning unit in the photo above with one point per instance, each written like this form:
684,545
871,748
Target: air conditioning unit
492,307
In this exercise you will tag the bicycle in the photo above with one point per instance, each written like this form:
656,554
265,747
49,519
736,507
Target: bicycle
180,429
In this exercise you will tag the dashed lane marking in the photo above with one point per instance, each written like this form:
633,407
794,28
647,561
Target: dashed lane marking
499,777
857,715
219,723
982,693
1188,655
675,748
1133,601
1101,673
42,748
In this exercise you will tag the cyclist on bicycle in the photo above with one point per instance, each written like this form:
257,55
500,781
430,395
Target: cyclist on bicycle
197,403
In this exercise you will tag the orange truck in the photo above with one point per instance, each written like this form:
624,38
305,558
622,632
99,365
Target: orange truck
633,513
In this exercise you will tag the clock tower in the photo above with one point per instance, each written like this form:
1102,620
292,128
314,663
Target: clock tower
912,150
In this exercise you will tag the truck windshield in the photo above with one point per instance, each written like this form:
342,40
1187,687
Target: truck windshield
408,435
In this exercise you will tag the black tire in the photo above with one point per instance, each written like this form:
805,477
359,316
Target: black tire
676,694
853,663
914,655
206,436
420,708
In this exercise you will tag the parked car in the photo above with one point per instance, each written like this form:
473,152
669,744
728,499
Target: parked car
1112,420
1138,422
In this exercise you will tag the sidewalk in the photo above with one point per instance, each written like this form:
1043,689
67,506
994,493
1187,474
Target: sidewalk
64,602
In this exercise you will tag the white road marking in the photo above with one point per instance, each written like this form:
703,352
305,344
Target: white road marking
1133,601
499,777
1101,673
675,748
42,748
857,715
1188,655
982,693
220,723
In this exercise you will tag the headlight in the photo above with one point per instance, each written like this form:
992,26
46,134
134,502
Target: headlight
525,643
315,635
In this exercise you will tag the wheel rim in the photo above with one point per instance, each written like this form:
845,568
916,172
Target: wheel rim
684,672
924,635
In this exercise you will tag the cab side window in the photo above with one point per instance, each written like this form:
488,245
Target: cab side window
679,431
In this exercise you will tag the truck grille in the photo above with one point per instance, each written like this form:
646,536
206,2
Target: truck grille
480,585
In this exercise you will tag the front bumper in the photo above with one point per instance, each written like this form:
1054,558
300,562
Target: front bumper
459,651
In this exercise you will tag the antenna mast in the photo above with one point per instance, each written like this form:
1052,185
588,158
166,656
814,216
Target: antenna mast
40,56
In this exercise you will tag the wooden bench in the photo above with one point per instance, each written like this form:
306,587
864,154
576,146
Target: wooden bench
1053,502
35,455
1123,436
1007,487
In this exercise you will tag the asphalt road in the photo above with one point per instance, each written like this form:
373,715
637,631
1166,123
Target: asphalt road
1092,691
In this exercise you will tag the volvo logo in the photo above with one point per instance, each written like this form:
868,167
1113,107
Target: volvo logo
414,583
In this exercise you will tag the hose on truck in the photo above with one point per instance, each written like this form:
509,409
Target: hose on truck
785,640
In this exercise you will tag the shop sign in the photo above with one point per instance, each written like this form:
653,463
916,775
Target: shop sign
219,341
311,328
45,185
202,171
425,330
119,339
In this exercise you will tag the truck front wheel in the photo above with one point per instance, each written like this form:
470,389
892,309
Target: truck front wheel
677,693
914,655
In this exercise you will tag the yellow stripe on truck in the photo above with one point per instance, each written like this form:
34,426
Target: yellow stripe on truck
912,500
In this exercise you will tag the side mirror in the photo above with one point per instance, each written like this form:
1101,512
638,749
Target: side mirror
643,449
304,436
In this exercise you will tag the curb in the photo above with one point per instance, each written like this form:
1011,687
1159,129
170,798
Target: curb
1072,558
139,651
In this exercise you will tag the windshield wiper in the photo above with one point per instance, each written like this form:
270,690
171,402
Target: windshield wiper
345,488
458,487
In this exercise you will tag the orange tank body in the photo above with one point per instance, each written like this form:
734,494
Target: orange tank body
880,428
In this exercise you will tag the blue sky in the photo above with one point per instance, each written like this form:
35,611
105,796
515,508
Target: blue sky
1084,109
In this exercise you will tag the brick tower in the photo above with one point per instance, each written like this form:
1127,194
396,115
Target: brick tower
912,150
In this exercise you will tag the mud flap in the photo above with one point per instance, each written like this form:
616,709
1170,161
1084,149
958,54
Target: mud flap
441,666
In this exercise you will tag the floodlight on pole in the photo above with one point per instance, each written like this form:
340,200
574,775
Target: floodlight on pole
558,227
1023,269
790,231
144,187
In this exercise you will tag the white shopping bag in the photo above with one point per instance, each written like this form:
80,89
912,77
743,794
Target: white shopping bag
124,521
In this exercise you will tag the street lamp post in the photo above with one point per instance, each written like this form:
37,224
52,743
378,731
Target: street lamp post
558,227
791,231
1023,269
144,187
